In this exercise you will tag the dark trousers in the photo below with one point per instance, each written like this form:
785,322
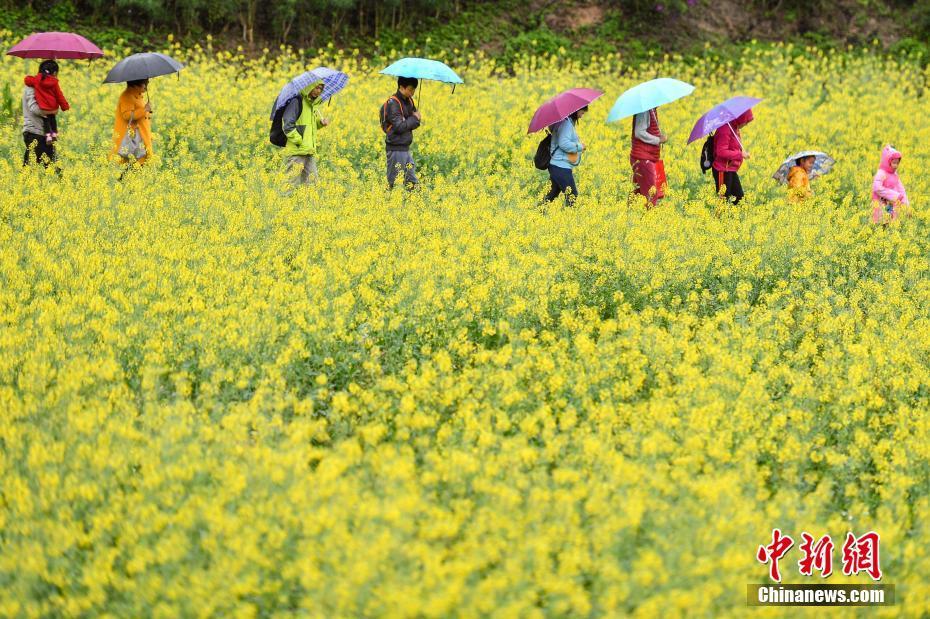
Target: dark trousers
563,181
37,150
50,123
734,189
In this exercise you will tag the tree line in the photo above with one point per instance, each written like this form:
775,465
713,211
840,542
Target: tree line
310,23
304,21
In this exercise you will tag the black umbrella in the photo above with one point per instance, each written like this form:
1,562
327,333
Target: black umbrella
141,67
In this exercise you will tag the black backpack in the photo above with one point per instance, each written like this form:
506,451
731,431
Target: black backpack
276,136
543,153
707,154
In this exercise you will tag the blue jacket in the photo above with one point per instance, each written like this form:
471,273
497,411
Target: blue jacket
565,140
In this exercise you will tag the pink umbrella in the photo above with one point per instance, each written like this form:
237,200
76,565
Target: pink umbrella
55,46
561,107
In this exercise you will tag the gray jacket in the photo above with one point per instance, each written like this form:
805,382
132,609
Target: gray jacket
32,115
402,123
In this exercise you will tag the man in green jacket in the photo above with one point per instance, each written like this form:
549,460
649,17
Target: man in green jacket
301,121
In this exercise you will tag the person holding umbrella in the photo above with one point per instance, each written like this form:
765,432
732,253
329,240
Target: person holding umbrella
49,96
799,170
296,118
723,152
133,114
301,120
132,126
48,46
563,146
799,179
642,102
566,153
39,148
399,115
399,118
729,155
646,155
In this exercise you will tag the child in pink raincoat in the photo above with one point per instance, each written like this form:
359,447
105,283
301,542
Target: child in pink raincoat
888,194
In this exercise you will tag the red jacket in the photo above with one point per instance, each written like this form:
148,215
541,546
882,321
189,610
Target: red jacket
641,150
728,149
48,93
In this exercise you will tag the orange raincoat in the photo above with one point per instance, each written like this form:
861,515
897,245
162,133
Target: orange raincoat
799,185
132,103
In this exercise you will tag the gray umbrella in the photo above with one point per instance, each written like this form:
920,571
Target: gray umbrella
141,67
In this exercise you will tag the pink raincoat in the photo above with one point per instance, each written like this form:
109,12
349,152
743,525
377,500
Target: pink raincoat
888,194
728,147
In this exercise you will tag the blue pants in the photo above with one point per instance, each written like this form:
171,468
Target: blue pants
562,180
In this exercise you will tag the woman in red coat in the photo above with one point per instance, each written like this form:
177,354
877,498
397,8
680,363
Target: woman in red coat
645,154
729,155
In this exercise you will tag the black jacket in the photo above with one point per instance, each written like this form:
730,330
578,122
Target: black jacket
402,122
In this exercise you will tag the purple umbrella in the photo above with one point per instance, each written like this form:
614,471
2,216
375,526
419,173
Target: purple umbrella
561,107
718,116
55,46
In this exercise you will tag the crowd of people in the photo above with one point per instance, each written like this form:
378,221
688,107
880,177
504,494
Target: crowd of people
301,121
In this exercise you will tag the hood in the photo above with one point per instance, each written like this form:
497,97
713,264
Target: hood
889,154
305,91
743,119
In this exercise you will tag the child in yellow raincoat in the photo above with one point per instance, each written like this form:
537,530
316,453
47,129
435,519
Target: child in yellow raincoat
799,181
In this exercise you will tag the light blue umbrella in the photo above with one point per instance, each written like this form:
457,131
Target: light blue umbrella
423,69
647,96
823,163
333,82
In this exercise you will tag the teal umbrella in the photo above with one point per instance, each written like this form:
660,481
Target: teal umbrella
423,69
647,96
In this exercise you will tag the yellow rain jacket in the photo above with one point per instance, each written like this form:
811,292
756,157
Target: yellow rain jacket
132,103
301,129
799,185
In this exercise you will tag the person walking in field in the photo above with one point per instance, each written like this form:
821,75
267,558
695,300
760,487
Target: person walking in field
49,97
889,197
133,113
799,182
646,156
399,118
301,121
566,151
38,148
729,155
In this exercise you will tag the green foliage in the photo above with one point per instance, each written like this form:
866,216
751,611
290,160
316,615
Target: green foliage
508,29
911,48
64,16
539,42
8,108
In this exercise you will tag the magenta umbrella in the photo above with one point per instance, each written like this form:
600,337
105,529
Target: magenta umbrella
561,107
719,115
55,46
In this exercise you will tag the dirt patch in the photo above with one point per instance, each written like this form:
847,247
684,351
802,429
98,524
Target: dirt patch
576,17
730,20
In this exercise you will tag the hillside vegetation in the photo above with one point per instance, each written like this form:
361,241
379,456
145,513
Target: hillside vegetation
504,28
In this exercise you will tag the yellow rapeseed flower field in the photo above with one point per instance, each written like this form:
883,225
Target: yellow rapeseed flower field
218,400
